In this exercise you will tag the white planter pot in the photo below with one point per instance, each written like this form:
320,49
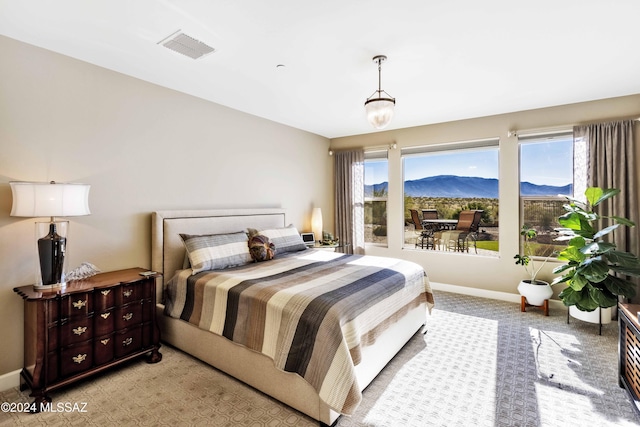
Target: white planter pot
591,316
535,293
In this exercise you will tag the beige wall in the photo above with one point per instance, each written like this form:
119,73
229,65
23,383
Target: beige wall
142,148
496,274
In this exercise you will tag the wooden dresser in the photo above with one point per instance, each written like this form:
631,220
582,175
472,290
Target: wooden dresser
91,325
629,351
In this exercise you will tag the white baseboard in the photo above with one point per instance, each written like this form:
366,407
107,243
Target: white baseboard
10,380
485,293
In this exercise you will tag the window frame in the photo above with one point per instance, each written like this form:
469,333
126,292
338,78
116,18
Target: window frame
378,155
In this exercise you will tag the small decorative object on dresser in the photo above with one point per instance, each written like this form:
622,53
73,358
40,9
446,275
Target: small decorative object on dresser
91,325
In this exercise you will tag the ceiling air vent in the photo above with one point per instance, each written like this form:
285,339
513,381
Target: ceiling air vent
186,45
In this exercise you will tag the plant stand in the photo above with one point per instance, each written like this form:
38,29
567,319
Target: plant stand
524,304
590,317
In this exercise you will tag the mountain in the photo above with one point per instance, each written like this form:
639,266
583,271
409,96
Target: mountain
464,187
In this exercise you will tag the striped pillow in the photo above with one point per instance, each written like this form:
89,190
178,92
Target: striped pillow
285,239
216,251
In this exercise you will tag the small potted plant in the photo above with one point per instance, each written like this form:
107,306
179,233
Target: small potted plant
535,291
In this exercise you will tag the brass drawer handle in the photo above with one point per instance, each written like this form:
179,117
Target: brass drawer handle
79,304
105,292
127,342
127,293
127,316
105,315
80,330
105,341
79,358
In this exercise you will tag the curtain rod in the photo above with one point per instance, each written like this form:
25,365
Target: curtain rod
516,132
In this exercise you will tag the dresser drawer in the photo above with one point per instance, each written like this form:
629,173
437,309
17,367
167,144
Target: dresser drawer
147,310
79,304
53,310
104,299
52,367
128,341
76,331
128,316
53,332
128,293
104,322
103,349
76,358
147,288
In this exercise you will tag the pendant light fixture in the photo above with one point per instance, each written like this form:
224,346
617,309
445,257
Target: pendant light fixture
379,106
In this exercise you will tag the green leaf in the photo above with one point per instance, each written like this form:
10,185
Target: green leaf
572,252
602,297
623,221
564,267
618,286
622,258
599,248
626,270
569,296
594,270
605,231
570,220
578,282
593,195
604,195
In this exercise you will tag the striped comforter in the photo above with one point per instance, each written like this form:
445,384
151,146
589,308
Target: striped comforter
311,311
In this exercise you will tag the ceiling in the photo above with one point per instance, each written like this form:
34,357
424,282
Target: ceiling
447,60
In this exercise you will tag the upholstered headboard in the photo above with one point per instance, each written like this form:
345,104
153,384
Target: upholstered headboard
167,249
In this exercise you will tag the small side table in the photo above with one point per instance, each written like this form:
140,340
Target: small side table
524,305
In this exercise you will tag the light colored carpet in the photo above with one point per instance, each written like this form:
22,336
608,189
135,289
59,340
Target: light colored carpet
482,363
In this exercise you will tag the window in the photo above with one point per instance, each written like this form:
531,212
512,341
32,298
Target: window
450,178
546,173
376,185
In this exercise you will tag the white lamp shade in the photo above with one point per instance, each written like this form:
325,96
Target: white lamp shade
316,223
379,112
39,199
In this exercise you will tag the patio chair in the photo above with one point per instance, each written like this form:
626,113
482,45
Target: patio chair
467,228
424,236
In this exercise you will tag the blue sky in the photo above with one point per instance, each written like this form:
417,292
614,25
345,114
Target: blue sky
546,163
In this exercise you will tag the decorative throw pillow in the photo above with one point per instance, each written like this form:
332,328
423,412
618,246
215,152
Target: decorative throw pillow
216,251
260,248
286,239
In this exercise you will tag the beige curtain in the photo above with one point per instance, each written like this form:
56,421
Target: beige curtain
349,199
611,163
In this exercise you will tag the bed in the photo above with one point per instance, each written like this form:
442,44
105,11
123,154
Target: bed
321,384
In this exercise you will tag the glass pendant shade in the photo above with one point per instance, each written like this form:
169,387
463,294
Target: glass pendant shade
379,111
379,106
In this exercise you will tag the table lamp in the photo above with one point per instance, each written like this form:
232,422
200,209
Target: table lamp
40,199
316,223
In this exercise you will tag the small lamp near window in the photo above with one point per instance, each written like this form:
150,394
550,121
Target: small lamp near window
39,199
316,223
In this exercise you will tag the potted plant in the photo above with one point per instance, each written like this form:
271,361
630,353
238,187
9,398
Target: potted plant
596,272
535,291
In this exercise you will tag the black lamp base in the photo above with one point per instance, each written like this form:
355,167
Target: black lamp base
51,250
